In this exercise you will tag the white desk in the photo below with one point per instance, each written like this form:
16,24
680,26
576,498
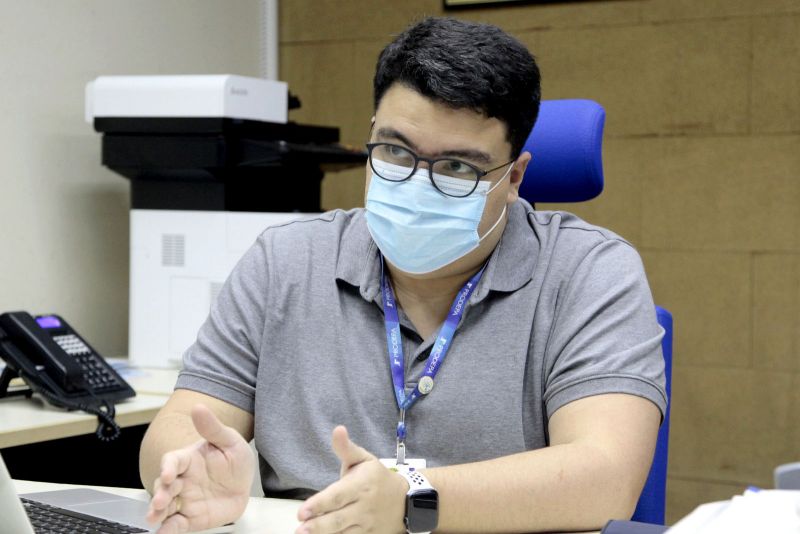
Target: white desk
151,381
263,516
25,421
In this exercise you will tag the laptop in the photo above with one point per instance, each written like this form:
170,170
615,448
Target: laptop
27,514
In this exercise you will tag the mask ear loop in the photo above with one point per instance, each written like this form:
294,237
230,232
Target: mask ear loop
490,230
500,181
503,213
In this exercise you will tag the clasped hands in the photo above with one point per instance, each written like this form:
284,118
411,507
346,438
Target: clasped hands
207,484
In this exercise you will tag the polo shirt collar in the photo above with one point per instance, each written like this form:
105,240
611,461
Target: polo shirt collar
510,267
359,263
513,261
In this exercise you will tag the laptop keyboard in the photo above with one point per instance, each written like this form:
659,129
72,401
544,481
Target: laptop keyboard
48,519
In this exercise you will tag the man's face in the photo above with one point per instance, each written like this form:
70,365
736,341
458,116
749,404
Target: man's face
434,130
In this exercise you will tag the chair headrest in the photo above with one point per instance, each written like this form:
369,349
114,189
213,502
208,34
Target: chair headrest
566,145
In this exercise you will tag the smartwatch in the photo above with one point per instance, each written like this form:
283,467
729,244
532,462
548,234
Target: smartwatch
422,503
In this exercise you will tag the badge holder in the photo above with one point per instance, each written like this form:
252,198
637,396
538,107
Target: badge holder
401,463
412,464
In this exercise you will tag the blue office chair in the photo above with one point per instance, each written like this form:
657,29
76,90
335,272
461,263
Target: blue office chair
650,508
567,166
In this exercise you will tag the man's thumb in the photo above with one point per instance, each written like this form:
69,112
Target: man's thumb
348,452
211,429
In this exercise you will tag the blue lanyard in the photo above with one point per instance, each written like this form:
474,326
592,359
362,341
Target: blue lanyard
438,353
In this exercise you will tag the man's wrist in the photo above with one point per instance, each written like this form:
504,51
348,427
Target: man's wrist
421,503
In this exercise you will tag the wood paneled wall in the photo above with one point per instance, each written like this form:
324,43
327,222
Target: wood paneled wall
702,161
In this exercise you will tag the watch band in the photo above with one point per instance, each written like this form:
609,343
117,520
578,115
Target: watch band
422,513
415,479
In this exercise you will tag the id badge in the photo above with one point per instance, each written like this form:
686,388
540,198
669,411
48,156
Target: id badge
411,463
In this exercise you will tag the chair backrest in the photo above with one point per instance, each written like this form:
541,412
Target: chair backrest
567,166
566,145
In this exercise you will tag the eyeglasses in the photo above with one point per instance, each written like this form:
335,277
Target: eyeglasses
406,162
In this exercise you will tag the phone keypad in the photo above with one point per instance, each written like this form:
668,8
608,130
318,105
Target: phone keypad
72,344
95,371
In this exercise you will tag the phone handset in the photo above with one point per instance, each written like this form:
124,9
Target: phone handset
49,357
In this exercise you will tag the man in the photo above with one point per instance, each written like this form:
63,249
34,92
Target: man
545,413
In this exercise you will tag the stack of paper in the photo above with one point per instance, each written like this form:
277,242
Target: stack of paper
756,511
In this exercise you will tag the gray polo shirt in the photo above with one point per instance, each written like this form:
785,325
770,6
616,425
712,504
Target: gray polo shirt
297,338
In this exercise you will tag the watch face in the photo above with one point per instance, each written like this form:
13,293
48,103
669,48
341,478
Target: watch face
423,510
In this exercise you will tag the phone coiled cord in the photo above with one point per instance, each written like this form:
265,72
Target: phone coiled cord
107,428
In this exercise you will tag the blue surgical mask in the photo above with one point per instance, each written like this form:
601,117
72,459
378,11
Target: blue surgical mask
418,228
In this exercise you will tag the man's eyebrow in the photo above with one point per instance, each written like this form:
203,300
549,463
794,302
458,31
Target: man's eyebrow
477,156
467,153
392,134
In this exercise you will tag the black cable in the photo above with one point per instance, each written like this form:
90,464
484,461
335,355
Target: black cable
107,428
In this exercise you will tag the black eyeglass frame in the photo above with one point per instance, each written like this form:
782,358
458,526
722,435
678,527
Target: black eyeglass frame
479,173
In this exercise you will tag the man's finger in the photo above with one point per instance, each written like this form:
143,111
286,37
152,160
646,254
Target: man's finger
335,497
341,520
153,513
175,524
165,506
211,429
174,464
348,452
163,495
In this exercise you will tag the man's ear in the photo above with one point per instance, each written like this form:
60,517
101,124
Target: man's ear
517,174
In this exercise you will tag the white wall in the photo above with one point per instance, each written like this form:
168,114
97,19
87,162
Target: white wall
64,217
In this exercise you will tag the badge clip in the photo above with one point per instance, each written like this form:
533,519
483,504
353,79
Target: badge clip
401,453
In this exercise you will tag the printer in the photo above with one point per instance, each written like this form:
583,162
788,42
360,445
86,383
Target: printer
212,161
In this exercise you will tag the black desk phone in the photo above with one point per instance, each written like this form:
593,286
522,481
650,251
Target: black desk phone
61,366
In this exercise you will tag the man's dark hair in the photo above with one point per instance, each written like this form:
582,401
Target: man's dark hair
466,65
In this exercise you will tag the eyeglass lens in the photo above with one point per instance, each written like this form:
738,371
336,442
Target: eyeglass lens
443,168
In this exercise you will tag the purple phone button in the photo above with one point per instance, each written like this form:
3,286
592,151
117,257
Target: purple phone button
48,321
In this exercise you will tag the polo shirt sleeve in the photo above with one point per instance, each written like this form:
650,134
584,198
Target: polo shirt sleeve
223,361
605,337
